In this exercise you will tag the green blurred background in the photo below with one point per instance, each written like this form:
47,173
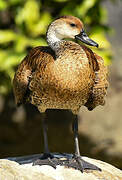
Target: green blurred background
23,25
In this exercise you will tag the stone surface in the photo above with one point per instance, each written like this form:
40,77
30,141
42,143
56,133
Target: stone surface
10,170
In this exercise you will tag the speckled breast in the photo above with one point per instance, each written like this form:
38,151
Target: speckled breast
66,83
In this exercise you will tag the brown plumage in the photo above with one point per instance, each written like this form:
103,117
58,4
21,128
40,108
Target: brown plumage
63,75
77,77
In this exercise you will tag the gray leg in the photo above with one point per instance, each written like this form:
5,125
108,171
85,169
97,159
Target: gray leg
75,162
76,143
81,163
75,130
47,153
44,125
45,159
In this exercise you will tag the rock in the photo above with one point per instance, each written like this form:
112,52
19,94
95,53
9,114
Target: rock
10,170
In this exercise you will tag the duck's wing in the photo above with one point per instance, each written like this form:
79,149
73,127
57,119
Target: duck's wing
35,61
99,90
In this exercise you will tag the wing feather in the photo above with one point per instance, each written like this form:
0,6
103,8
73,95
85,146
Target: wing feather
99,89
35,61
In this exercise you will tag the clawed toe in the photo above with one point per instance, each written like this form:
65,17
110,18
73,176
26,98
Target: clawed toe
75,162
45,159
80,164
89,166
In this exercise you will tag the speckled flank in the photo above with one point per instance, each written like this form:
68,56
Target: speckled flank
67,78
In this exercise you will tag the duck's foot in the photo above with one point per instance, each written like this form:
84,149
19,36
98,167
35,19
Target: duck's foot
76,162
45,159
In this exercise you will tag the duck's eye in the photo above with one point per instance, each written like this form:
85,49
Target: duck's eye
73,25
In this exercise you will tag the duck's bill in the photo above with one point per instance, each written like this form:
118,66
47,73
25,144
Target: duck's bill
85,39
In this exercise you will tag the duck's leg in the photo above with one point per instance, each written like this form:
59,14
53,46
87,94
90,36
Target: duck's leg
46,158
75,162
44,126
79,163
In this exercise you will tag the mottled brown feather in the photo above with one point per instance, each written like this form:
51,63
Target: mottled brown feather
100,86
38,57
75,77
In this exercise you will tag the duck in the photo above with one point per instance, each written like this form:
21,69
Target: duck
66,74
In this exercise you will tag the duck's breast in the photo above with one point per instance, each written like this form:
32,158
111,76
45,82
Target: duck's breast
72,70
68,80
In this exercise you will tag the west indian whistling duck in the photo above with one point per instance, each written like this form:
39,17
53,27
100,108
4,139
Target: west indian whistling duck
62,75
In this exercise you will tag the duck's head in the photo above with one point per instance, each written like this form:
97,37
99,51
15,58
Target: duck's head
68,27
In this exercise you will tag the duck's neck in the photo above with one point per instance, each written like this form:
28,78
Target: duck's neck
53,41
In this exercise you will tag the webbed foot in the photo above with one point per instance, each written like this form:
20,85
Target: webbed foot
45,159
75,162
78,163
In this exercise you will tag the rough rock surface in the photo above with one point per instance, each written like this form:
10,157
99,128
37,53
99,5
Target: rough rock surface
10,170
